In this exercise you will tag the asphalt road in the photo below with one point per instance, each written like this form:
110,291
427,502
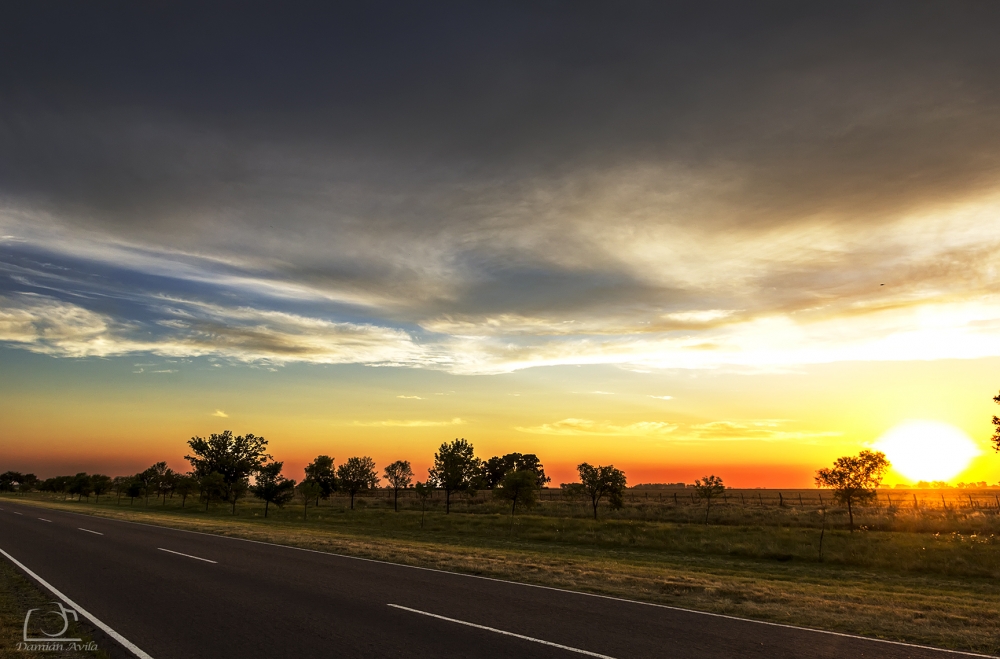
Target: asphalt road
258,600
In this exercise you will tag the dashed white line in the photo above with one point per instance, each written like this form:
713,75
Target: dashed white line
578,593
80,528
129,645
500,631
45,520
197,558
16,513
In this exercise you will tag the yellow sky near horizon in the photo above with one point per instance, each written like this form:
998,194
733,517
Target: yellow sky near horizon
753,429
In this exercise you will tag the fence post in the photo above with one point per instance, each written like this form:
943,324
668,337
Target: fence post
781,500
802,505
760,499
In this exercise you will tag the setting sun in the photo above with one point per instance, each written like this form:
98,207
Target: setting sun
928,450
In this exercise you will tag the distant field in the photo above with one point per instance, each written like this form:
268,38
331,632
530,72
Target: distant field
760,560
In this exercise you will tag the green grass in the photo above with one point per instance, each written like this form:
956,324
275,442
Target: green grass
929,588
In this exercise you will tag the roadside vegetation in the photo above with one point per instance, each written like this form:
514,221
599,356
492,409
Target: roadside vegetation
911,565
759,560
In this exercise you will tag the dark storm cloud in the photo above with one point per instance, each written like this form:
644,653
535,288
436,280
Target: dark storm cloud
155,109
626,168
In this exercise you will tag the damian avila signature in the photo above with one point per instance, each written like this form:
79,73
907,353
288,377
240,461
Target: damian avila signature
57,646
48,641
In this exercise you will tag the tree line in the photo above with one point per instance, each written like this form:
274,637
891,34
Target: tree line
226,468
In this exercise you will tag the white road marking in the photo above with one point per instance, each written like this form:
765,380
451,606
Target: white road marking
612,598
171,551
129,645
500,631
80,528
45,520
16,513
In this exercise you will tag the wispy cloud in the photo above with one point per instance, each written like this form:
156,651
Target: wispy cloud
754,429
594,240
411,424
220,413
574,426
757,429
410,397
59,328
662,397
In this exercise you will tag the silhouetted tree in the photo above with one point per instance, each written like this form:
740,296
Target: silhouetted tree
520,488
424,491
120,484
399,475
234,457
455,469
709,487
184,486
81,486
10,481
996,426
147,479
494,469
597,483
321,472
133,490
166,480
307,491
854,479
212,486
101,484
237,491
357,474
271,487
29,483
56,484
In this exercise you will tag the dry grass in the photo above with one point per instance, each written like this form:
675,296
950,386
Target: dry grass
935,590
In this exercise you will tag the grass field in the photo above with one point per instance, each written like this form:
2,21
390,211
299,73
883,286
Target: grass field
935,588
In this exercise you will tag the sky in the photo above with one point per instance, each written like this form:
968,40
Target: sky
682,238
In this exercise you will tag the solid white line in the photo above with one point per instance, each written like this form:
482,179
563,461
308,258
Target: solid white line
129,645
500,631
552,588
80,528
45,520
171,551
